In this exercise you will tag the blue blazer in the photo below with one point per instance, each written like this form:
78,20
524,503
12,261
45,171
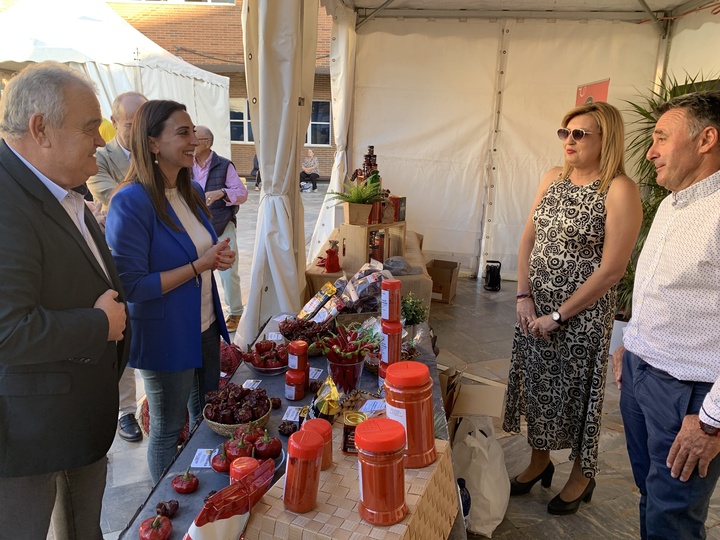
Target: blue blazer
168,334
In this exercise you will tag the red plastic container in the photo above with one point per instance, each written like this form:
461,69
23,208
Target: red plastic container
390,299
408,399
380,443
302,474
323,428
391,346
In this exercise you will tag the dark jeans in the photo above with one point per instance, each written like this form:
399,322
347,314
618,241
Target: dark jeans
171,393
312,177
653,405
258,180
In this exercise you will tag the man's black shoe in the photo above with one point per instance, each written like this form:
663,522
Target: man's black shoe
129,429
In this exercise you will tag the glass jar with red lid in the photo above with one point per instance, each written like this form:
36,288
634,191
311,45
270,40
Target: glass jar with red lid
408,399
380,443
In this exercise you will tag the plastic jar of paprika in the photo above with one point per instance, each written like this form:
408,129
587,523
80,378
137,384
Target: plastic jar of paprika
391,346
324,429
294,384
390,299
297,355
302,473
382,373
380,444
408,399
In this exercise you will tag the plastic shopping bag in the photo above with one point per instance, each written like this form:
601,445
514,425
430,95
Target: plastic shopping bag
480,460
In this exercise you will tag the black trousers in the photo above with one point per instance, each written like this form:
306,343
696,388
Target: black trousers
312,178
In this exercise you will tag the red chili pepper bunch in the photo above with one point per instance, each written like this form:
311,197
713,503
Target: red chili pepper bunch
346,351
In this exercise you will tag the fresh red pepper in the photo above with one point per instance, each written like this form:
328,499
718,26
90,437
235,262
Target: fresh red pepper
264,346
267,447
249,433
235,448
220,462
185,483
157,528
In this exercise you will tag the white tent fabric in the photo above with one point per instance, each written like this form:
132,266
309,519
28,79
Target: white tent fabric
89,36
343,43
280,40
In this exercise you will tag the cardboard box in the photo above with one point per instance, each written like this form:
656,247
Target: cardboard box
460,400
444,275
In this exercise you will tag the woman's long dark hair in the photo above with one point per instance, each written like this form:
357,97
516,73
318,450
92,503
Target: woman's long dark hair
149,122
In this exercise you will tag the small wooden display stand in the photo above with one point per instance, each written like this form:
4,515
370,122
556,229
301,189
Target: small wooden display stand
430,493
355,243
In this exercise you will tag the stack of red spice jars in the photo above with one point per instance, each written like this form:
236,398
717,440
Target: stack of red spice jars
391,345
297,378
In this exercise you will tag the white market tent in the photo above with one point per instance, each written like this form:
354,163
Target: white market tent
90,37
460,99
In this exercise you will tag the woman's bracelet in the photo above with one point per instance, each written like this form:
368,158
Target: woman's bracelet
197,276
524,295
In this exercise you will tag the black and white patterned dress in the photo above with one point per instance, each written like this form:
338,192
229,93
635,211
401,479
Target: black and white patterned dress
559,385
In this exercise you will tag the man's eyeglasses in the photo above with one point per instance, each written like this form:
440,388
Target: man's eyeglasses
577,134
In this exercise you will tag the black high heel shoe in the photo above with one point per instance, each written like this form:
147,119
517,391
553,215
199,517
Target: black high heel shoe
558,507
521,488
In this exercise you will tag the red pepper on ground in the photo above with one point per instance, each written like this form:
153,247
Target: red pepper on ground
157,528
185,483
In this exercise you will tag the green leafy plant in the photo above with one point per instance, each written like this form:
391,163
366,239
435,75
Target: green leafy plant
366,192
413,309
640,140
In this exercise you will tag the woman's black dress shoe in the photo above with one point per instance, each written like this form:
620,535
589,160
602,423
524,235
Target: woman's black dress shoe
521,488
559,507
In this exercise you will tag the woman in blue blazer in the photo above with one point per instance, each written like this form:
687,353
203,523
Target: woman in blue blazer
164,246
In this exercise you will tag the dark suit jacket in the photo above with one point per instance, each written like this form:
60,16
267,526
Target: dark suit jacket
113,165
58,372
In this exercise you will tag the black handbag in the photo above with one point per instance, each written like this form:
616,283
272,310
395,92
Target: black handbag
492,276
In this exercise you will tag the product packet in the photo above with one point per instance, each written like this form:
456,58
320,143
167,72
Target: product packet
326,404
226,512
317,301
330,310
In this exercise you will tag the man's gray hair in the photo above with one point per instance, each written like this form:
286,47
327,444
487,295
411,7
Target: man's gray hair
703,110
117,102
37,89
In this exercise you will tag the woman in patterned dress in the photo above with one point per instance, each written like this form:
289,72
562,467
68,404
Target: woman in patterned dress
573,251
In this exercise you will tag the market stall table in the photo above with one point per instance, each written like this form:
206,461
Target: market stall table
204,440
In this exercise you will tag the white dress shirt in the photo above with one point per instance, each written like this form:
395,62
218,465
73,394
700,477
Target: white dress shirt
675,324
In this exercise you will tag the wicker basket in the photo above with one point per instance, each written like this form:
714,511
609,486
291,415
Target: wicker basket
227,430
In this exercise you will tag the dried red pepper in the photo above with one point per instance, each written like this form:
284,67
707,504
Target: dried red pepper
167,508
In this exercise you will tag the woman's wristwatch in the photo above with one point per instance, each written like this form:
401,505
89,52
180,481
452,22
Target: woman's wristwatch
557,317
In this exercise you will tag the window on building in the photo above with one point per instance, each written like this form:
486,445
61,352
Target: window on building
240,125
318,133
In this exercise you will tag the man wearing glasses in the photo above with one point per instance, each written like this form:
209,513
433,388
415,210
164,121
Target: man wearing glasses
224,192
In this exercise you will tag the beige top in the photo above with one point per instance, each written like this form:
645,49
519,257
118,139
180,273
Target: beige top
203,241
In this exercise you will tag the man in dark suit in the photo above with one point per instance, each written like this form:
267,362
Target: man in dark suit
113,163
63,341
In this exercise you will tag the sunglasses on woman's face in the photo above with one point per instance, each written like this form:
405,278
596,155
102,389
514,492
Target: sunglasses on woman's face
576,134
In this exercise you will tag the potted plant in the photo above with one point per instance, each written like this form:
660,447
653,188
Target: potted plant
413,311
357,199
651,192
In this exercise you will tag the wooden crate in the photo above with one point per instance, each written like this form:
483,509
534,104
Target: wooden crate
354,247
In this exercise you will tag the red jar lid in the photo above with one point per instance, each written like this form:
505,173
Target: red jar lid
391,284
297,347
319,426
294,376
391,327
408,373
306,445
242,466
380,435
